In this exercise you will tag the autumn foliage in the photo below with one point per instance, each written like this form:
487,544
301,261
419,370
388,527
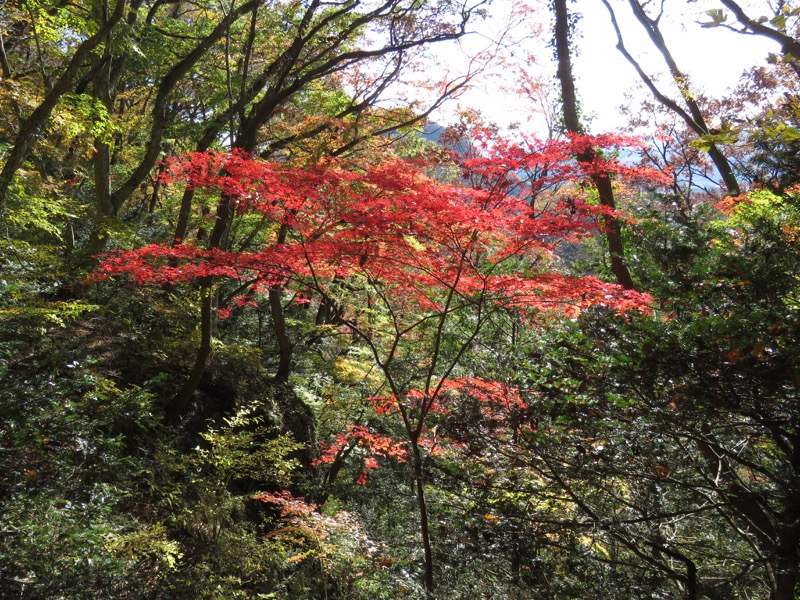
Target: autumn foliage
394,224
425,249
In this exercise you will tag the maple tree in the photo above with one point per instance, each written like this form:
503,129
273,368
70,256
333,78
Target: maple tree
636,457
437,261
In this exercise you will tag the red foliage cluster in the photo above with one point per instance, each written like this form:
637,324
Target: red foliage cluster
498,402
447,395
376,445
303,526
290,507
505,165
391,224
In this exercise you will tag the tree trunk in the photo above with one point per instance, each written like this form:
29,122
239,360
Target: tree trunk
790,47
724,169
104,209
788,561
184,396
285,345
207,313
572,124
161,104
780,541
424,527
697,121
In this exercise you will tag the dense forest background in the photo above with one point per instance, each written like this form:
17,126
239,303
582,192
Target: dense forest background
267,332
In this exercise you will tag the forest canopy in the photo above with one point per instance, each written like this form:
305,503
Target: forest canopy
269,331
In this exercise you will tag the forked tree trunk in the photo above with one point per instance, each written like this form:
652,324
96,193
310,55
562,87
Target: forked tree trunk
207,315
692,115
285,345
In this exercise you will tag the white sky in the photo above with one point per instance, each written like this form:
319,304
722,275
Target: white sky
713,57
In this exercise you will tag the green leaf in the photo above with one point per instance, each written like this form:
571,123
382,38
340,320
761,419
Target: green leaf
718,17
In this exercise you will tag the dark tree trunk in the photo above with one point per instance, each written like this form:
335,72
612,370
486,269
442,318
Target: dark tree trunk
602,183
424,526
285,345
207,315
790,47
697,120
181,400
104,209
788,553
778,540
163,94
